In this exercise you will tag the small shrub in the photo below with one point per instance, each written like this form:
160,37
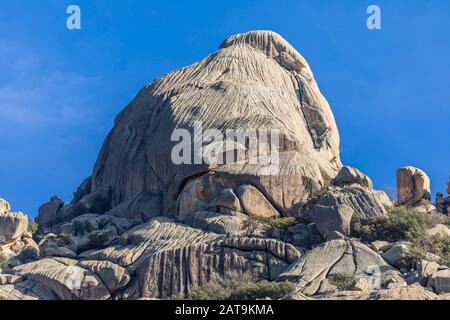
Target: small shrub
282,224
401,224
3,261
439,218
342,281
409,259
238,287
32,226
251,225
263,289
438,245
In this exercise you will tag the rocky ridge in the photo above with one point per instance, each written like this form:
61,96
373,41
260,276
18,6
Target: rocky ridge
143,226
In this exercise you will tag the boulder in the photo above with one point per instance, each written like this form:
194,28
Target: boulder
255,81
350,175
112,275
360,284
99,201
48,211
13,225
88,223
30,251
26,290
4,206
333,209
336,235
425,269
232,223
439,229
226,201
395,254
440,281
97,239
378,245
413,185
72,280
329,219
254,202
53,245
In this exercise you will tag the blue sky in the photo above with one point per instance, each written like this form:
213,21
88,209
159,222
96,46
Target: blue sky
60,89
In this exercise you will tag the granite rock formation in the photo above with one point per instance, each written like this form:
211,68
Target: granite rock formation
145,225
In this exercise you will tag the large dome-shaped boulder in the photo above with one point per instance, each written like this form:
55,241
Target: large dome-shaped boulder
255,81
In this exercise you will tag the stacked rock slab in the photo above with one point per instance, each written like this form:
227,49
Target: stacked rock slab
168,258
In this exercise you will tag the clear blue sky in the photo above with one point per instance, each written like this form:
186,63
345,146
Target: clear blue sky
60,89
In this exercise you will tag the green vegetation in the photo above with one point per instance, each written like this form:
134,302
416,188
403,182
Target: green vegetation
239,287
282,225
401,224
404,224
3,261
32,226
342,281
438,245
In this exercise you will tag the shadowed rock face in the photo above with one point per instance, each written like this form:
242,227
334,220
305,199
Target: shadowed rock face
255,81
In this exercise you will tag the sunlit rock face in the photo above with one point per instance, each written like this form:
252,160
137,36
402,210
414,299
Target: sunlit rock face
256,80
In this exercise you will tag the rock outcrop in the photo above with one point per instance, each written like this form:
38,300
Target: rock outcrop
168,258
72,280
332,209
314,270
413,185
255,81
350,175
440,281
16,243
13,225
